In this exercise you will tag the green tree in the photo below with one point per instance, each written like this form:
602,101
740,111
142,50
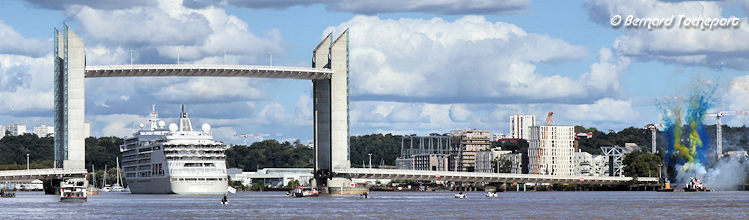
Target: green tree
293,184
384,148
269,153
502,165
258,186
641,164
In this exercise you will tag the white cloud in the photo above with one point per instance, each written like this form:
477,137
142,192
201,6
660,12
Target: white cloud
119,125
14,43
459,113
25,84
716,48
468,60
161,32
737,95
380,6
211,90
607,109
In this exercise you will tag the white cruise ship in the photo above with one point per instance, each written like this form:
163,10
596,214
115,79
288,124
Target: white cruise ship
176,159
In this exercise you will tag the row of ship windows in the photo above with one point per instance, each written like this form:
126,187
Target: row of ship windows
192,146
197,179
194,158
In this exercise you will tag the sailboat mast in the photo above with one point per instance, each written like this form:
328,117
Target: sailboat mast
104,179
118,171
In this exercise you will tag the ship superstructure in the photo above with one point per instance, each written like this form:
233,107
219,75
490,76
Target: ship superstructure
176,159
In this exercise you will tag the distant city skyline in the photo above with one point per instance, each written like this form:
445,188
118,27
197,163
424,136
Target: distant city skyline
416,67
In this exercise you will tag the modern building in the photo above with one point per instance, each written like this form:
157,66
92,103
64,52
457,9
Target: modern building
583,164
273,177
551,150
16,129
434,162
520,126
44,131
428,149
404,163
516,160
2,131
465,144
498,136
498,152
484,162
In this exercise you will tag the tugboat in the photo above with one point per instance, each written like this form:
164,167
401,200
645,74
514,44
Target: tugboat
73,190
305,191
695,185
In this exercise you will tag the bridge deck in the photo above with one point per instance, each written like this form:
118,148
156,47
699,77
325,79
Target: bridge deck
208,70
43,174
481,177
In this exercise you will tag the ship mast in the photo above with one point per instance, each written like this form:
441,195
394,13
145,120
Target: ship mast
154,117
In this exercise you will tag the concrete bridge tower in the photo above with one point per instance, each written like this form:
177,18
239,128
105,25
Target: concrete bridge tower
331,119
70,67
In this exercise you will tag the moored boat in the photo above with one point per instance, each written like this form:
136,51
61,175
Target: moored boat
305,191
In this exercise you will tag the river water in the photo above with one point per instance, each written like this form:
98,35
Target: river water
387,205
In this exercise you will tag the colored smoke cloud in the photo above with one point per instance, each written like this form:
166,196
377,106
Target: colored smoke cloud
688,142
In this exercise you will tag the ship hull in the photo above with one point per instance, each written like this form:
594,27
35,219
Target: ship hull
166,186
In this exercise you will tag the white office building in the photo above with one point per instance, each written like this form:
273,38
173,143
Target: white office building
2,131
16,129
520,126
44,131
551,150
272,177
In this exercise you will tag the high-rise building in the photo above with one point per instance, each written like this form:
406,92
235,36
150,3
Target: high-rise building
520,126
16,129
551,150
44,131
2,131
465,144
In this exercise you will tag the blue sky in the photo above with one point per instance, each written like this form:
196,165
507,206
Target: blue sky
416,66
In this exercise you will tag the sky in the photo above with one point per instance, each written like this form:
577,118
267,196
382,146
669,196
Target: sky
416,67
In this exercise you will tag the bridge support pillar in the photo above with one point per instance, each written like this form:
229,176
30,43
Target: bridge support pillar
51,186
69,107
331,119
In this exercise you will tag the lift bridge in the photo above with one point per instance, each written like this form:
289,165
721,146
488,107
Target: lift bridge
329,74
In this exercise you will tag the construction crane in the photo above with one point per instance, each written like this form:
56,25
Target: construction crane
719,129
258,136
653,130
549,122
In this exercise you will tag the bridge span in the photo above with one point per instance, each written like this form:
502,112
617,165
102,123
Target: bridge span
41,174
396,174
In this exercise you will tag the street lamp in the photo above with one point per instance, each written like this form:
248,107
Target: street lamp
370,160
27,161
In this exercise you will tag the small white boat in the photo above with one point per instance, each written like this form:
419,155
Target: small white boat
492,194
460,195
73,190
304,191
